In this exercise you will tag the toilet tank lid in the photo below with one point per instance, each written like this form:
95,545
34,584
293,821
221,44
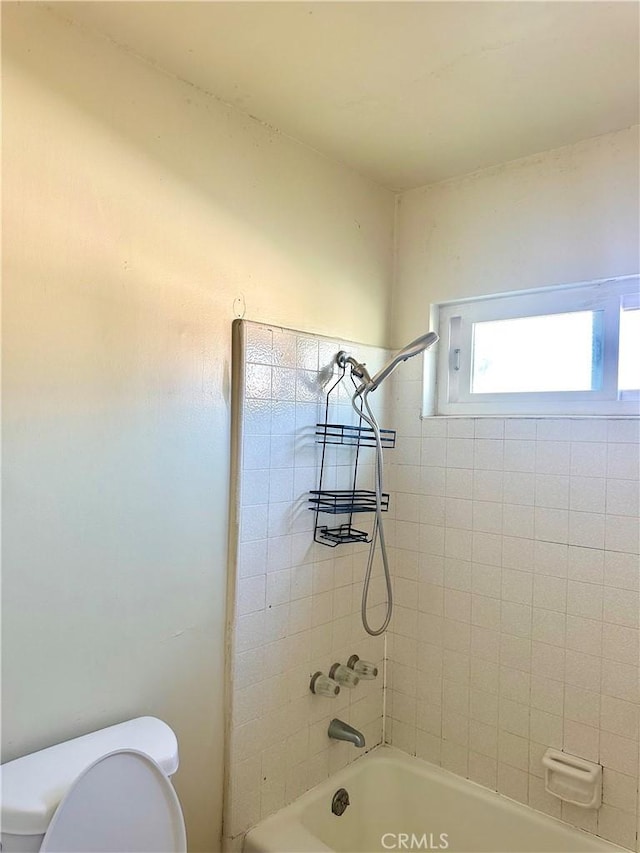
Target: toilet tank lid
33,786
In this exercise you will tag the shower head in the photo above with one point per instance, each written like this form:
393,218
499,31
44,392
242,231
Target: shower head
419,345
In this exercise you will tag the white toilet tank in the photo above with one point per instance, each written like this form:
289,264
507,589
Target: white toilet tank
34,785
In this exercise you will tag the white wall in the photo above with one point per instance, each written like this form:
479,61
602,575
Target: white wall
559,217
136,209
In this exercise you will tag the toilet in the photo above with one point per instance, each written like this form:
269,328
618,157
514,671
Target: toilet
106,792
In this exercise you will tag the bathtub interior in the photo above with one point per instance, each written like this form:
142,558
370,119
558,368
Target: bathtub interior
391,793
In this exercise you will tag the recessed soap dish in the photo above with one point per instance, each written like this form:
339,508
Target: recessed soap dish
572,779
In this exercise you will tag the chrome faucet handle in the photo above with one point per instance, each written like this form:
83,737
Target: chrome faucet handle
344,675
322,685
366,670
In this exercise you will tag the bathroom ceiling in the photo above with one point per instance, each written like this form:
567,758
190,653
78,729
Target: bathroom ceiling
408,93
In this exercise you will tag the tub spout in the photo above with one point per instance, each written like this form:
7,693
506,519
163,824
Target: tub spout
343,731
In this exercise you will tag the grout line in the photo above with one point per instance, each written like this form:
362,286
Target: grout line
384,690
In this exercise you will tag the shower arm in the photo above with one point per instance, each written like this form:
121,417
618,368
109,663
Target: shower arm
360,371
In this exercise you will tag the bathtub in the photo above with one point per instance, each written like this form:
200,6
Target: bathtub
402,803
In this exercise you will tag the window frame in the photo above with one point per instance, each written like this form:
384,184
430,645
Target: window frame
454,361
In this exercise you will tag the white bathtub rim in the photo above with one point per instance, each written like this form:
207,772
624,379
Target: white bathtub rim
385,754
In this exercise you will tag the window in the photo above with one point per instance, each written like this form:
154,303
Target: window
569,350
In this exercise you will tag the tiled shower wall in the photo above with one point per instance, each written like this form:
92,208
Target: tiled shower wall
294,605
516,584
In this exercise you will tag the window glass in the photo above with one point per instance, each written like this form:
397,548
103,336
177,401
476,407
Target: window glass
550,352
629,356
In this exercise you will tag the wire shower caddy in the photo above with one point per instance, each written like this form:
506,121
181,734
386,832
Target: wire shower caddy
350,502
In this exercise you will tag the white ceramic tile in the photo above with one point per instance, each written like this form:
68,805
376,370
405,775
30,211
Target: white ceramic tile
548,626
515,685
622,570
546,695
584,635
283,386
620,680
486,580
257,417
516,619
586,564
513,717
520,455
518,553
550,593
460,427
589,459
258,343
515,652
619,717
553,429
517,586
253,523
582,706
583,670
488,454
513,750
587,529
483,739
518,521
458,543
284,348
519,488
623,461
252,558
551,558
307,353
258,381
458,513
434,426
487,485
552,457
587,494
487,516
283,417
619,790
486,548
459,453
620,643
618,753
513,782
489,428
620,607
520,428
586,819
588,429
617,826
540,800
547,660
433,450
256,454
623,497
551,525
485,611
622,533
623,431
546,728
581,740
552,490
455,758
584,599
